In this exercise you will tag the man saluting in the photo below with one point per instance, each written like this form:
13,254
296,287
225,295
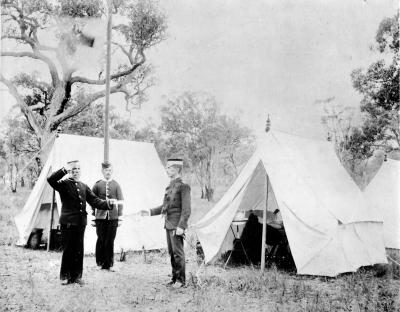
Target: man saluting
74,195
176,210
107,221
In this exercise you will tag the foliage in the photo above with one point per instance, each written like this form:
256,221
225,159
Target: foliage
91,123
47,101
17,147
379,85
19,138
81,8
357,144
196,130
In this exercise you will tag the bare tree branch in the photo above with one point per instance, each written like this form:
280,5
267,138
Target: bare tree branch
37,56
33,122
114,76
127,53
76,109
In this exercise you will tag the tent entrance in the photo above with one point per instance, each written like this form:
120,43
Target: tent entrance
246,229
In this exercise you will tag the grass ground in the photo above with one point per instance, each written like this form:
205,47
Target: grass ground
29,281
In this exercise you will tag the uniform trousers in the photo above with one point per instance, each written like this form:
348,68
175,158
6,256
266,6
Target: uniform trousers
177,254
72,257
106,231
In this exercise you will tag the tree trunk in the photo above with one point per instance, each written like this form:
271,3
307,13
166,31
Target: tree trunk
209,193
32,178
208,185
13,177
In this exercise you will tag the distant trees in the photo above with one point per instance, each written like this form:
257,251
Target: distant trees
208,140
90,122
380,124
379,86
17,144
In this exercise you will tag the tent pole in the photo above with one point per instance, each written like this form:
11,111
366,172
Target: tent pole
108,69
264,232
51,218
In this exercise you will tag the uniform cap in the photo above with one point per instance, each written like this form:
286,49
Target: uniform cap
106,165
175,161
72,162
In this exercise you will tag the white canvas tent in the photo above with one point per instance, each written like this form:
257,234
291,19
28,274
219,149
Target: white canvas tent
138,170
329,225
383,192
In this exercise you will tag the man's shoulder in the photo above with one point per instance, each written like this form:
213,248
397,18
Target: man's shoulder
83,184
114,182
184,185
98,182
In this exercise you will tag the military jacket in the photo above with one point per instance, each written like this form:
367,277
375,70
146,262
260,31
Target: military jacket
176,205
108,189
74,195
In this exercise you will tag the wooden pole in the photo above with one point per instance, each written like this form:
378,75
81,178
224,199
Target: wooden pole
264,231
53,196
108,69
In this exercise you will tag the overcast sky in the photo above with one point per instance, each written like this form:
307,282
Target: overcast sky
259,57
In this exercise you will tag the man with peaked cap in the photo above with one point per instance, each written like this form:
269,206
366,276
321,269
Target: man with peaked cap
73,219
107,220
176,210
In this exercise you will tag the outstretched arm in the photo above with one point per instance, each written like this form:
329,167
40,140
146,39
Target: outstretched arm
156,211
95,201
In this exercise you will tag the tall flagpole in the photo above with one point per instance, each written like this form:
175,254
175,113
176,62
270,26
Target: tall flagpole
108,68
264,224
264,231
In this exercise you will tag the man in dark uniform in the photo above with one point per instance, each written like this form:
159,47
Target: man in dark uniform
74,195
107,220
176,210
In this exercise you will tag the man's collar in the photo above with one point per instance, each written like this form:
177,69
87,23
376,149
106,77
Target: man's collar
177,179
107,181
73,180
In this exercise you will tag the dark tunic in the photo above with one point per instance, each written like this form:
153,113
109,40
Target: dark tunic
107,222
176,205
73,220
108,189
176,210
74,195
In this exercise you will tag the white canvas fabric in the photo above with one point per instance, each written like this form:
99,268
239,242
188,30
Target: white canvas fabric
383,192
330,226
138,170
